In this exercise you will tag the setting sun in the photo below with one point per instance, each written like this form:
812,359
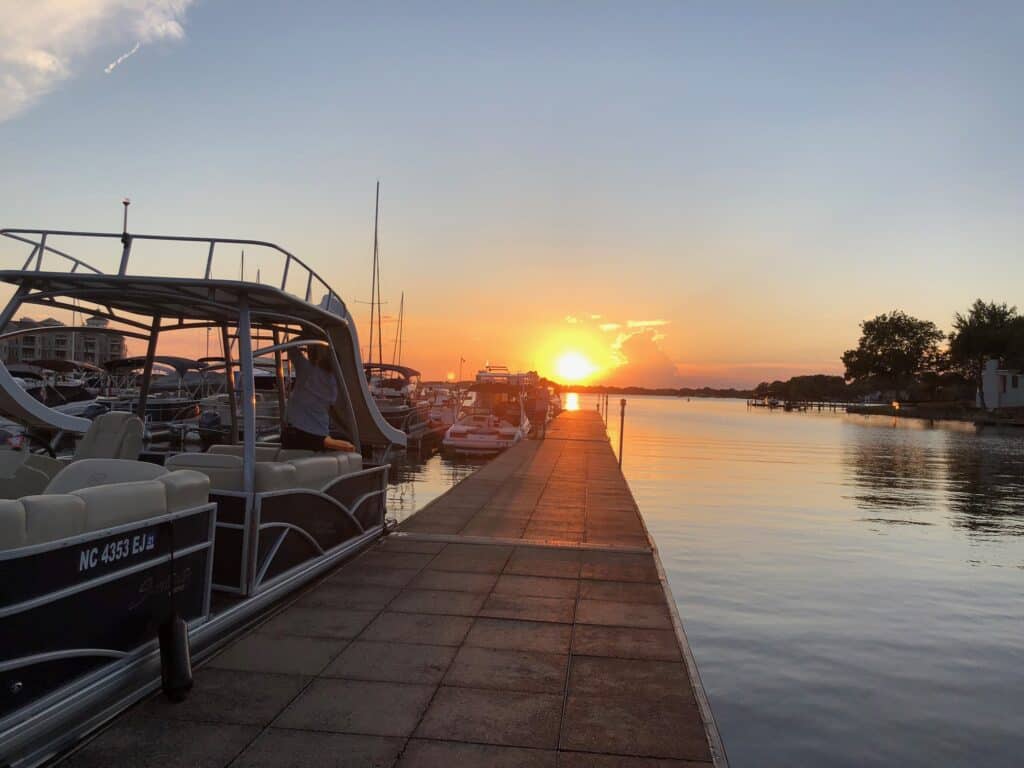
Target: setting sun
573,367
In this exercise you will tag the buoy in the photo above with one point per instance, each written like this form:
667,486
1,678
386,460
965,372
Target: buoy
175,658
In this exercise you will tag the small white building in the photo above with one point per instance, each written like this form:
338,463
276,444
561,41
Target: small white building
1003,387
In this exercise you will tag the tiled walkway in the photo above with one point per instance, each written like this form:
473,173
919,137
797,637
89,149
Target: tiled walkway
539,645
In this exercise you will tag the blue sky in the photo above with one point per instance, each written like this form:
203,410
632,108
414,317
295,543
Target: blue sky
761,177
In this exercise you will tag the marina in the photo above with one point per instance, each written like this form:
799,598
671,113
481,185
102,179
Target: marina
523,615
556,385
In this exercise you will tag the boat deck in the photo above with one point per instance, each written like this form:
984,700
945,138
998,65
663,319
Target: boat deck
522,619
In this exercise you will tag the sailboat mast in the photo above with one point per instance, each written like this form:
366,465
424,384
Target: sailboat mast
376,258
373,280
396,352
401,327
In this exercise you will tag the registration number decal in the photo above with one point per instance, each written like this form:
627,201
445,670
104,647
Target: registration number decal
113,551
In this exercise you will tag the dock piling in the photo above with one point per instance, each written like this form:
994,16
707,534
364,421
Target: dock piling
622,426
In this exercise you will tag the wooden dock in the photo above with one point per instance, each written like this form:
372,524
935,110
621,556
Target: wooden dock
522,619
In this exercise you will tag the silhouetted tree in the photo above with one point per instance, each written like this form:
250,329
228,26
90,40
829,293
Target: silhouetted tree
894,348
987,330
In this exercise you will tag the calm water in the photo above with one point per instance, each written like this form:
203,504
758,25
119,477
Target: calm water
415,480
852,589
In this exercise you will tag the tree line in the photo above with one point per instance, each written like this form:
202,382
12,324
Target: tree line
900,353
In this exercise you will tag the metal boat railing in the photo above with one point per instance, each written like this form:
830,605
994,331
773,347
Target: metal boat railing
291,262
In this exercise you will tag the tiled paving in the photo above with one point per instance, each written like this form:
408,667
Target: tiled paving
427,651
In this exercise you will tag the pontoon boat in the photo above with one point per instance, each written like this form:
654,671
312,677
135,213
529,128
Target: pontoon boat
100,550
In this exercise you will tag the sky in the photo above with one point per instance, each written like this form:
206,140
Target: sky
656,193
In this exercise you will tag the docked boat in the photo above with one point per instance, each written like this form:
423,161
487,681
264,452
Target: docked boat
444,407
176,387
215,410
497,419
107,560
394,390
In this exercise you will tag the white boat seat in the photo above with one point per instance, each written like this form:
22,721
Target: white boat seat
120,503
275,476
288,454
185,489
114,435
55,516
19,475
223,470
263,452
91,472
313,470
353,459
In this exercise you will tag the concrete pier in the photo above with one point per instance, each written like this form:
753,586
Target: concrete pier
522,619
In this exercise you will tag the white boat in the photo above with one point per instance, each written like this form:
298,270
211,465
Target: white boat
394,391
445,407
100,552
497,419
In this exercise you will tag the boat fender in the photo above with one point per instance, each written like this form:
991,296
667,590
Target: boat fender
175,655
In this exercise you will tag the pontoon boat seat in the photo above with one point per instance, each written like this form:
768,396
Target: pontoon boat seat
114,435
73,504
347,461
277,472
92,472
19,476
263,452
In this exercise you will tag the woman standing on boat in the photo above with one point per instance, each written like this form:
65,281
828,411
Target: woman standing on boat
308,415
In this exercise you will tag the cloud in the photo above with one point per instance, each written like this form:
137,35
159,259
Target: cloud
571,319
45,42
609,326
642,361
645,323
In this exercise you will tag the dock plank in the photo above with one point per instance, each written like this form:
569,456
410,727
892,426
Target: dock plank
519,619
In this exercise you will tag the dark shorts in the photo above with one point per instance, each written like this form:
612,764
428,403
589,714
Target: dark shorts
294,438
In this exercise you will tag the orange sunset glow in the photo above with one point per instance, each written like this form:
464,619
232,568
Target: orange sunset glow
574,367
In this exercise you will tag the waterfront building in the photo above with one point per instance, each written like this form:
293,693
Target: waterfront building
1003,387
55,341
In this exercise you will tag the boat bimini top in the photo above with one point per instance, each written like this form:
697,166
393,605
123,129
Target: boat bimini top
278,306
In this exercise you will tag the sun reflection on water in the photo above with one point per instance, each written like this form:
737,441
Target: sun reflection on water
572,401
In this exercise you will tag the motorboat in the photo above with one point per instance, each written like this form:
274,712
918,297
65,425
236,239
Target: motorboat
393,388
497,419
100,551
444,407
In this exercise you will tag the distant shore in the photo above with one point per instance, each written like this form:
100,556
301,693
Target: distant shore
931,411
942,412
660,392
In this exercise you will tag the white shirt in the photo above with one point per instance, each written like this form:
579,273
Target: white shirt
314,393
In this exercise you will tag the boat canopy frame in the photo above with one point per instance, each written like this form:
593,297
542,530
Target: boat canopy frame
243,306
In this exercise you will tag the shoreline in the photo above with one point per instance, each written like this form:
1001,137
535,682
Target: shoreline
937,413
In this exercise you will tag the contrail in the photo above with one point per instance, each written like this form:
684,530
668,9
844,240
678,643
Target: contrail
113,65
